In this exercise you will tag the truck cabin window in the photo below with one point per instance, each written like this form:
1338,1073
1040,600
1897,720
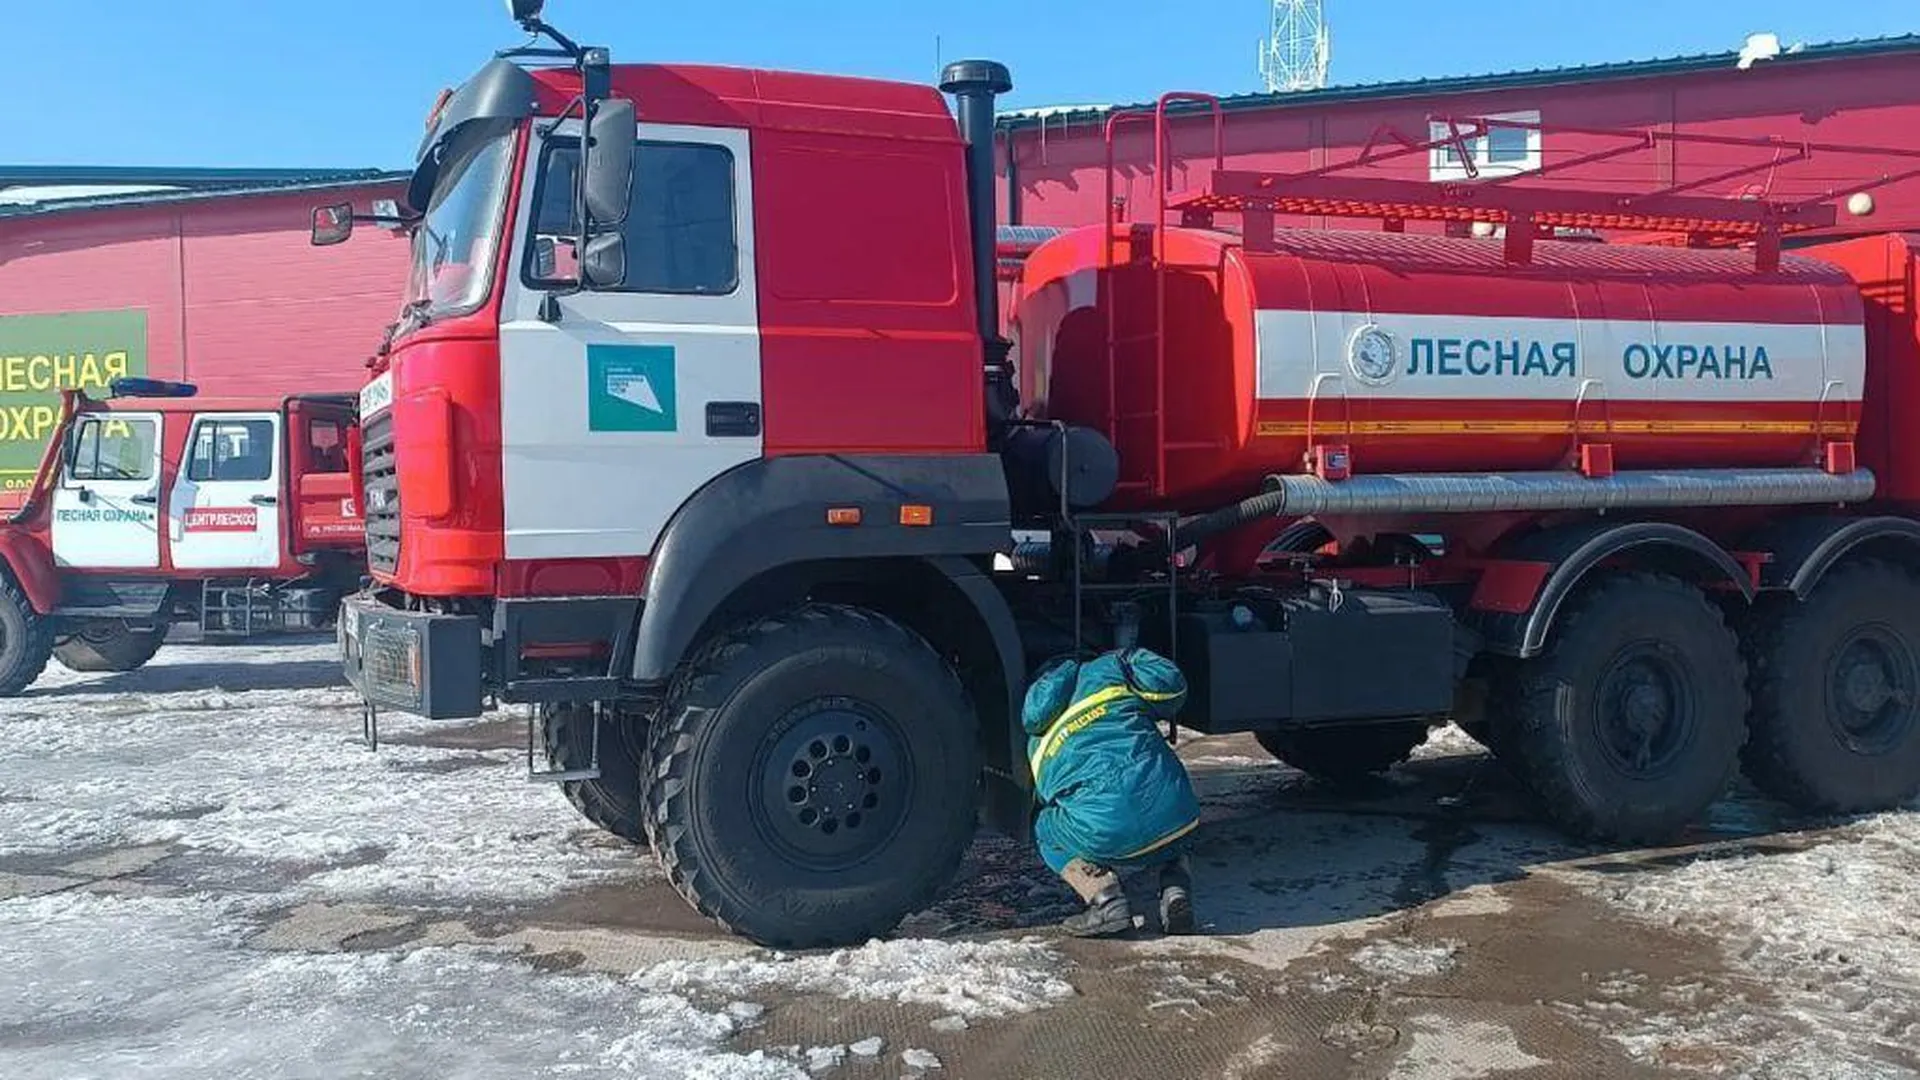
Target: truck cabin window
680,230
232,450
110,448
455,240
326,445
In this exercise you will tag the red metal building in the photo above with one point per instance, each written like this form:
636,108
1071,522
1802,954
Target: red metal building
1862,92
204,275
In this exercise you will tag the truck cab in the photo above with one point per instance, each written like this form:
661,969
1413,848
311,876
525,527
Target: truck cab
157,507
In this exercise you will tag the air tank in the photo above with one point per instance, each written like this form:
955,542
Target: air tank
1212,367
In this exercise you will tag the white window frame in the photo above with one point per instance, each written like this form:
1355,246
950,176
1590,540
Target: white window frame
1442,167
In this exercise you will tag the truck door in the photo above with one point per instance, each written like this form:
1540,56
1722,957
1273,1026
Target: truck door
324,511
106,507
224,511
617,412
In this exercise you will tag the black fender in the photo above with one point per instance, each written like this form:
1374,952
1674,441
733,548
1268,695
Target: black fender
1008,798
1804,549
772,513
1574,551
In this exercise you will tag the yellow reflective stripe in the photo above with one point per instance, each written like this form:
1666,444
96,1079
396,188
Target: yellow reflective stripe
1057,731
1165,840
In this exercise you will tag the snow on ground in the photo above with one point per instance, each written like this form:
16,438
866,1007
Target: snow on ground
168,839
279,775
1831,933
122,987
181,823
970,980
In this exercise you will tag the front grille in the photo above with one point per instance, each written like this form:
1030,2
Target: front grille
381,499
390,662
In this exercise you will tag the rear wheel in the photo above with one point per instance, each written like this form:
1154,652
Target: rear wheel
813,777
613,801
1630,723
109,646
26,640
1345,754
1836,693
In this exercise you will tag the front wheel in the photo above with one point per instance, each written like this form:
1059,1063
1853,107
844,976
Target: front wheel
109,646
813,777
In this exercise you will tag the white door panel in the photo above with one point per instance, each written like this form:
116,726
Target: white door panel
605,412
224,512
106,506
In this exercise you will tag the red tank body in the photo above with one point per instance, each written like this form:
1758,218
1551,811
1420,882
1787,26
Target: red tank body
1424,353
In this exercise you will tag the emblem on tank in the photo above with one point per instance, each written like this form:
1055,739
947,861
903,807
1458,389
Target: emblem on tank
1372,355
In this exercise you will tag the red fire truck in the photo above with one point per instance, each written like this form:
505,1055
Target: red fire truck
158,507
704,439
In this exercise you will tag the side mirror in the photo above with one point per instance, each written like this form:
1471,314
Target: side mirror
332,224
608,177
605,263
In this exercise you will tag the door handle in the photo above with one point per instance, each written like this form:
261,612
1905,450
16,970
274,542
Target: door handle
733,419
264,500
146,500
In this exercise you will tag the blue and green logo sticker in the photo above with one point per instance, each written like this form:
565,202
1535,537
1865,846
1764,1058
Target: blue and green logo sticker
630,388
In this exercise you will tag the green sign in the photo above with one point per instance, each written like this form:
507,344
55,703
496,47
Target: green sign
41,355
630,388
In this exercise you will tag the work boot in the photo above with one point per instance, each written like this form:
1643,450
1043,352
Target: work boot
1176,898
1107,911
1106,915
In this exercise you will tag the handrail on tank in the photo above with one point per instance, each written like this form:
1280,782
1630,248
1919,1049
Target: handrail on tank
1526,207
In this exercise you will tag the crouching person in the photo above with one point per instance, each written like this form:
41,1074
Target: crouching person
1113,796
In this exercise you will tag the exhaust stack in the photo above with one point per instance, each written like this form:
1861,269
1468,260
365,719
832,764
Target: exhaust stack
975,84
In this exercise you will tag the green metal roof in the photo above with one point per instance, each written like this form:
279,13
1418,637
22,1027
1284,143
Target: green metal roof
150,187
143,175
1013,120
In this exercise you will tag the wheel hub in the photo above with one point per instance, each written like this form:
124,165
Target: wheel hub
831,785
1870,690
1643,713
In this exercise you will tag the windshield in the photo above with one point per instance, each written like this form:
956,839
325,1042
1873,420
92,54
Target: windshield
455,241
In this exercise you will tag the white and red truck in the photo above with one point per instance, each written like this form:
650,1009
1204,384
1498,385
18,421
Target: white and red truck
157,507
704,438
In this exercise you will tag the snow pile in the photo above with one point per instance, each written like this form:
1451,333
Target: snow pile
1831,934
128,988
276,777
1397,959
1441,1048
971,980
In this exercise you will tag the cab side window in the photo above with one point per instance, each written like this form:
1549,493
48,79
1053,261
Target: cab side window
326,445
680,230
108,448
232,450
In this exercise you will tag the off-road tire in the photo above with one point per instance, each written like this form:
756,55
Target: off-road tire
613,802
1800,747
26,639
1640,666
1345,755
112,646
759,716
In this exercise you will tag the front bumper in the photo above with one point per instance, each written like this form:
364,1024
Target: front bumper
411,661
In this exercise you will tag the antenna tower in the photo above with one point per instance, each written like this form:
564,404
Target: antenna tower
1297,48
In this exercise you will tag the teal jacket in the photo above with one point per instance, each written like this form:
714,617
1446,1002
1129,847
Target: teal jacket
1111,791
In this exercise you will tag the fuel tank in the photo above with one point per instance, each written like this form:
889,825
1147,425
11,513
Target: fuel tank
1211,366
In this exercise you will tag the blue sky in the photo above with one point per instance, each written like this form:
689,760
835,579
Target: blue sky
346,82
